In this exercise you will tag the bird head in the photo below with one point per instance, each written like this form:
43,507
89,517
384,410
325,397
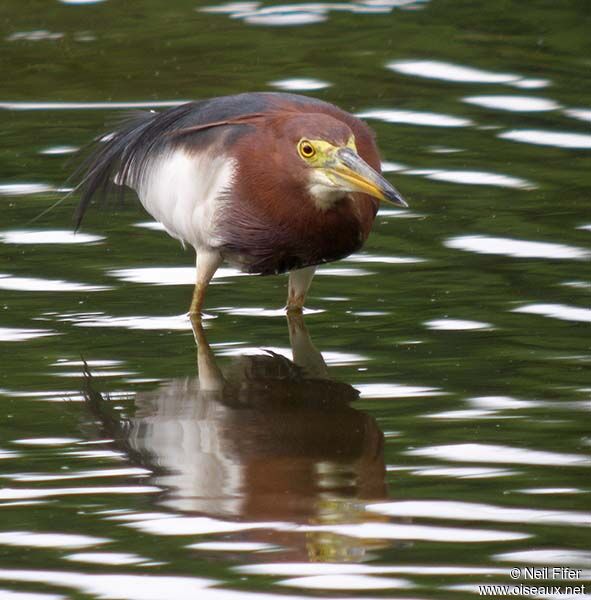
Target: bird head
324,153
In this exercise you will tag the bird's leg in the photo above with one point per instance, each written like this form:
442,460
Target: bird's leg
298,286
207,264
210,376
304,352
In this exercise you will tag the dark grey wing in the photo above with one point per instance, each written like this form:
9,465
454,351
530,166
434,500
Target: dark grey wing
125,153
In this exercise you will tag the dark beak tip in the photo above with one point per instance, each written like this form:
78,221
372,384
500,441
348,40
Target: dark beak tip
395,198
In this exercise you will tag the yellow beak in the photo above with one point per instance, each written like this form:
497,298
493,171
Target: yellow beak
350,169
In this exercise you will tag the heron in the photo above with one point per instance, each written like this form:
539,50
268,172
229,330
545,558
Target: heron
267,182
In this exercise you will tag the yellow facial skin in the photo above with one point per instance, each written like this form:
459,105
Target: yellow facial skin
346,170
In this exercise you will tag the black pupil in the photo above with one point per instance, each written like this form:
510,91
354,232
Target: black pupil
308,149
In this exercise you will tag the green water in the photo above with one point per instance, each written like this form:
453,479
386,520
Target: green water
443,436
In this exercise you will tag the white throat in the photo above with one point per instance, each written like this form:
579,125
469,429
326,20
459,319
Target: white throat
325,197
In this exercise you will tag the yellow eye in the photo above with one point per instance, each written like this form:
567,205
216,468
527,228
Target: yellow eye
306,149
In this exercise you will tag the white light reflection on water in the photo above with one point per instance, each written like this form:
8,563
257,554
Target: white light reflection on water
463,472
31,539
306,13
232,547
37,35
493,453
168,275
388,531
107,558
48,237
59,150
471,511
332,358
343,272
549,138
24,189
154,225
579,113
415,118
436,69
34,284
464,414
405,531
139,587
81,1
141,322
396,390
63,362
87,106
557,311
12,334
31,493
199,526
457,325
319,568
547,556
299,84
346,582
474,178
56,441
484,244
513,103
386,260
122,472
4,454
549,491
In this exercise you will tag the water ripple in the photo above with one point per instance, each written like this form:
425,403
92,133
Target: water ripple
31,539
24,189
548,138
59,150
404,531
513,103
493,453
557,311
12,334
579,113
474,178
550,556
415,118
48,237
306,13
346,582
205,525
36,35
232,546
463,472
471,511
140,322
396,390
107,558
46,441
34,284
299,84
484,244
87,106
318,568
168,275
436,69
122,472
30,493
457,325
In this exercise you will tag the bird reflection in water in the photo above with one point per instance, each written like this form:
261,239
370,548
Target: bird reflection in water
266,439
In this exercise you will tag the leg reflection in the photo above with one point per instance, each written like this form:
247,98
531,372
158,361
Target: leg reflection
263,439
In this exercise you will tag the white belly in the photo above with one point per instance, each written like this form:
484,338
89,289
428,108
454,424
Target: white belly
184,191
